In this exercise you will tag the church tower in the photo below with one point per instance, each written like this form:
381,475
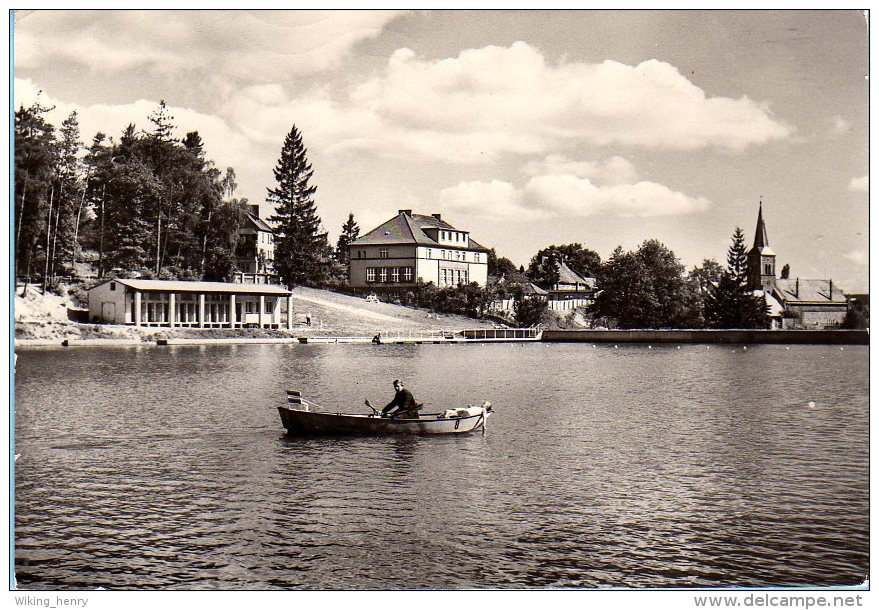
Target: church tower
761,259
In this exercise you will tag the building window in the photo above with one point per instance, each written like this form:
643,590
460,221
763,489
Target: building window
270,307
767,269
442,254
407,274
383,275
476,257
429,253
370,274
464,276
112,285
395,274
359,253
383,253
250,307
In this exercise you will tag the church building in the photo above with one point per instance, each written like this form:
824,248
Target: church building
794,303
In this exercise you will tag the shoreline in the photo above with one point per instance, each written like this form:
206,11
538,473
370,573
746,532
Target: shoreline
632,337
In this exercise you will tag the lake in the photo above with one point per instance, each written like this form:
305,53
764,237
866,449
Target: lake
167,468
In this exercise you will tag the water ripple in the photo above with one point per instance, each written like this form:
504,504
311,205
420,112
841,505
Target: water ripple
603,468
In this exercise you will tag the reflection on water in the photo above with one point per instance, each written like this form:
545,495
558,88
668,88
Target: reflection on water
168,468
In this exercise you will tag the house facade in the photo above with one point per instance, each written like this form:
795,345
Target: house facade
190,304
255,252
804,303
571,291
411,247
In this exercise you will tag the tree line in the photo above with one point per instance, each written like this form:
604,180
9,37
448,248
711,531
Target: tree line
150,205
144,204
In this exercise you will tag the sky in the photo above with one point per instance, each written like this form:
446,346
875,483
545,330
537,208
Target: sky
526,128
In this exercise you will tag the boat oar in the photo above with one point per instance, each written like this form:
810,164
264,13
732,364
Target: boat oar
374,410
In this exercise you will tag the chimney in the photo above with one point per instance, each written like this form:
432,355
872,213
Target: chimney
254,209
406,212
437,216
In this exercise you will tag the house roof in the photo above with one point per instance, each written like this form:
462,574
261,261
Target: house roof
775,308
258,223
811,291
408,229
212,287
568,276
532,288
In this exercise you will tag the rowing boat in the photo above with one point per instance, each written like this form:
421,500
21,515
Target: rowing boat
298,419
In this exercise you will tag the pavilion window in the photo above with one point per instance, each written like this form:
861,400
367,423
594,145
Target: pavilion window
383,275
395,274
270,306
407,274
370,274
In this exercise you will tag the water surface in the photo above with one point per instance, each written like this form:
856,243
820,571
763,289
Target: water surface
148,467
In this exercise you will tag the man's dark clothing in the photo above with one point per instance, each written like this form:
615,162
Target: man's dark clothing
405,403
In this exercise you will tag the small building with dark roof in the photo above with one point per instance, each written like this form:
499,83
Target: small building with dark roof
409,247
190,304
571,290
255,251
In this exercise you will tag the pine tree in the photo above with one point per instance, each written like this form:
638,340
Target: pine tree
301,250
69,193
350,232
35,160
729,303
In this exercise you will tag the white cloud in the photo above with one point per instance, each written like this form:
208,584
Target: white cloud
859,185
556,195
495,198
242,46
514,96
858,256
224,143
494,101
615,170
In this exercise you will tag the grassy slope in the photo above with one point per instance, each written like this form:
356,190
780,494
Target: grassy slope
45,317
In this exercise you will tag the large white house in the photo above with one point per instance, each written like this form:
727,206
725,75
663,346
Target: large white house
409,247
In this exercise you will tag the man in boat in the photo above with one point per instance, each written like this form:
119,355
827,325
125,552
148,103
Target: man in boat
403,405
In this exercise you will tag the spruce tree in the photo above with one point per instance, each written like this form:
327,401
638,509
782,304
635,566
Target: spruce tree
729,303
301,250
350,232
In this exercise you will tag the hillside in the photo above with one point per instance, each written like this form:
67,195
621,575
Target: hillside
45,317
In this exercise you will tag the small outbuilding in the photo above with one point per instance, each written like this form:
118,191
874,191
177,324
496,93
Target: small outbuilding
191,304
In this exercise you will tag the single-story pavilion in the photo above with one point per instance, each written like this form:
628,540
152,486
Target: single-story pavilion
193,304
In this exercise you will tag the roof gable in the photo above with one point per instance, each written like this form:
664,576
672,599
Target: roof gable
410,229
258,223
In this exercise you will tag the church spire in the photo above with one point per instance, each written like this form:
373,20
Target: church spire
761,240
761,258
